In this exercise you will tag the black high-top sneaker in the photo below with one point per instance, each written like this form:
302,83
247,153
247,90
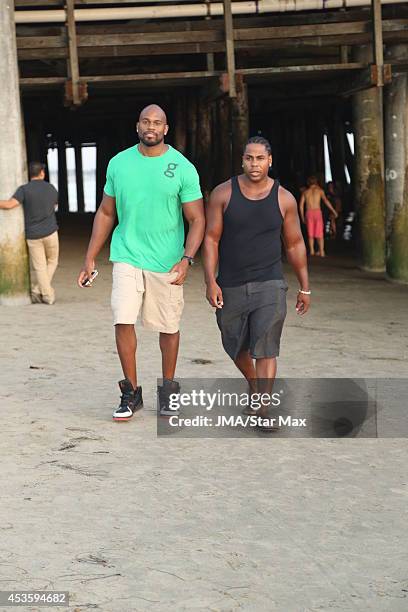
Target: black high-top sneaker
167,405
130,402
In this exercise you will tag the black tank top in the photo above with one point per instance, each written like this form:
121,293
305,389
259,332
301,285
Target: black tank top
250,245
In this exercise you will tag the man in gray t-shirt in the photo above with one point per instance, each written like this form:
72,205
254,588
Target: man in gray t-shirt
39,200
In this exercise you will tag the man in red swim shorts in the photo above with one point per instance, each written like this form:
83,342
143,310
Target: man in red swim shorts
312,197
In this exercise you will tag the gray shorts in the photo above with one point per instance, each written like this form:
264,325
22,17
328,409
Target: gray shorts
252,318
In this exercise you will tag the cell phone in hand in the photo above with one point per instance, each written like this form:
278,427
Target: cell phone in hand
87,282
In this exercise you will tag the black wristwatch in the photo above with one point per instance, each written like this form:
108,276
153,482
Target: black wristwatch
190,259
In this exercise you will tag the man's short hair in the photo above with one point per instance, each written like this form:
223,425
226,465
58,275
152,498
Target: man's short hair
312,180
260,140
35,168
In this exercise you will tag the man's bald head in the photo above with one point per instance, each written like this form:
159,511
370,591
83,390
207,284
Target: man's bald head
152,125
153,109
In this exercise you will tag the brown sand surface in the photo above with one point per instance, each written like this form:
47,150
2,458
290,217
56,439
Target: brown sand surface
127,521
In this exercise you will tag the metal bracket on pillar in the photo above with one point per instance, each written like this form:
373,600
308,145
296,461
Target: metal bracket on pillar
364,79
387,73
383,76
229,47
378,40
69,93
74,93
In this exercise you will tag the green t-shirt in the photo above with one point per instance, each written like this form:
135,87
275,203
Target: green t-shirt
149,194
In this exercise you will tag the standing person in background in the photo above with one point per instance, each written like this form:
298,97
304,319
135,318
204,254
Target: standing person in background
311,198
39,200
335,200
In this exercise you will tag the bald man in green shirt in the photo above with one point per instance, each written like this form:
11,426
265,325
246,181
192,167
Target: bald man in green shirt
148,186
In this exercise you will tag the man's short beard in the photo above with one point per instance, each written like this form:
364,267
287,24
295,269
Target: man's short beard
150,143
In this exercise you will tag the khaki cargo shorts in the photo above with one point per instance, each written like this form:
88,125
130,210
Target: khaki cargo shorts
151,293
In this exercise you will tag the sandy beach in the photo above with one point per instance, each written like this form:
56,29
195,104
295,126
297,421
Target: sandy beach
126,521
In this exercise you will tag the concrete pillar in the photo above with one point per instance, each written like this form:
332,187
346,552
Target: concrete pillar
79,175
205,163
337,146
301,157
37,145
223,140
315,131
63,205
369,171
240,125
192,122
396,164
102,160
14,274
180,131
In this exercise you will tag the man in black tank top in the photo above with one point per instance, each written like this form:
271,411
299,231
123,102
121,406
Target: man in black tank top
246,217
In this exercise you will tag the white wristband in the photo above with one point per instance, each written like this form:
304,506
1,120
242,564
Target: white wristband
305,292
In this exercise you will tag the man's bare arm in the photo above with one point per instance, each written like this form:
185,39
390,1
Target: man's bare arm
295,246
8,204
302,207
213,232
327,202
102,227
194,213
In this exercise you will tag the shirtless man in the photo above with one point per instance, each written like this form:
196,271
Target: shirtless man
314,217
